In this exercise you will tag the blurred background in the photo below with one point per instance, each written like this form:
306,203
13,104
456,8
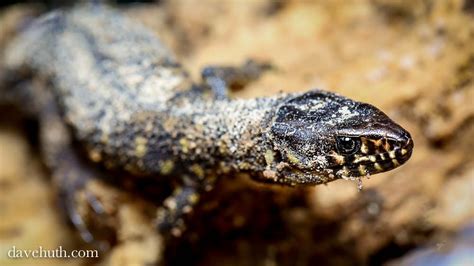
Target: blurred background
414,59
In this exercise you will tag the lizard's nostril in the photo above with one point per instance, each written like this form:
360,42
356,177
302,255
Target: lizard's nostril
409,144
404,139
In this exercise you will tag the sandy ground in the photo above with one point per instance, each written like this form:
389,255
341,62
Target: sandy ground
412,59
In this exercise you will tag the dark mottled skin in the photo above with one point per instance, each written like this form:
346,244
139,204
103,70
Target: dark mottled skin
96,78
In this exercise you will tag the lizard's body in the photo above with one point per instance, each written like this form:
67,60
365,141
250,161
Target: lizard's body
98,79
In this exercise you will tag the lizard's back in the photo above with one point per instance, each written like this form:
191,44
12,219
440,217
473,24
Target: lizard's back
103,68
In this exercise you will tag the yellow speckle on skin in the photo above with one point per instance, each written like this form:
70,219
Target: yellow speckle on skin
345,170
223,149
140,146
392,155
187,209
95,155
395,162
176,232
292,158
149,126
403,151
104,138
270,174
169,124
197,170
193,198
372,158
166,167
171,204
361,159
378,167
269,157
364,149
362,170
184,145
200,128
244,165
224,167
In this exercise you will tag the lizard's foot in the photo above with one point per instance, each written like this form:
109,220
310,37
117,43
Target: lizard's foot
113,220
90,204
170,216
221,79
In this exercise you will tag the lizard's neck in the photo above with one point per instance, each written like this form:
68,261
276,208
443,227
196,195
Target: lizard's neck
225,135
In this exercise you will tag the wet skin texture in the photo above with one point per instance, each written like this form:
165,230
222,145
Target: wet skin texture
104,86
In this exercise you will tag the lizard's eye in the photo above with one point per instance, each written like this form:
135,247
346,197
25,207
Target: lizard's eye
347,145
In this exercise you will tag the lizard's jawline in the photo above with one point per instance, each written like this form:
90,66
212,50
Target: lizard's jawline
373,164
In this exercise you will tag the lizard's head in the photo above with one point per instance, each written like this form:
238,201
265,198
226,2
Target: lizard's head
321,136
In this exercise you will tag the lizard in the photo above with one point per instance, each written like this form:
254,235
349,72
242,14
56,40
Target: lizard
112,100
